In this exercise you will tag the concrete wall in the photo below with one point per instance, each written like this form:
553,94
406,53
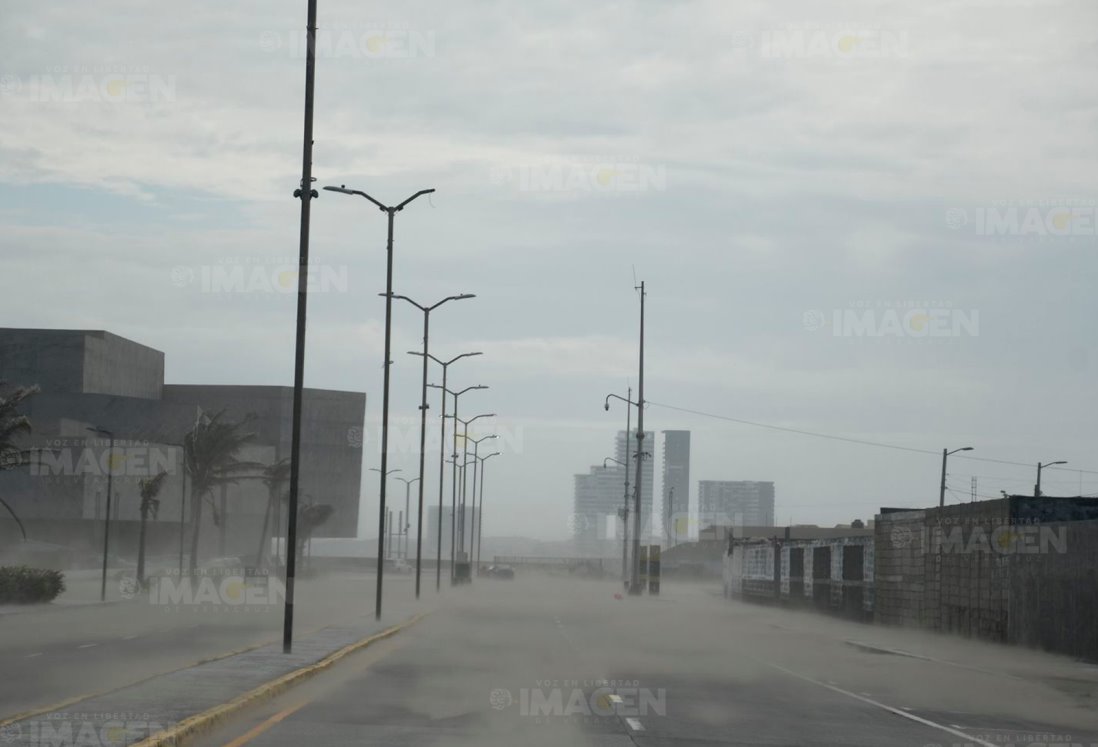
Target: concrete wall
1010,570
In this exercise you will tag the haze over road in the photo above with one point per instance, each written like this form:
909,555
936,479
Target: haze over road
541,661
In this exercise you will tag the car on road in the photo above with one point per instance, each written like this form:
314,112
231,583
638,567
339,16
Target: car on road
500,571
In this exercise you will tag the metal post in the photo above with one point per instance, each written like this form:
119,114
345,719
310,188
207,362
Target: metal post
634,586
422,450
107,523
305,192
182,511
441,474
942,488
625,510
453,496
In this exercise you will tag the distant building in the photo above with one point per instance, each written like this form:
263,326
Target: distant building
676,486
599,496
735,503
91,378
648,475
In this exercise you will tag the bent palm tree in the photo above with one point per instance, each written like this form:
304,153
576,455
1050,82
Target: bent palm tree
275,476
13,426
150,504
211,450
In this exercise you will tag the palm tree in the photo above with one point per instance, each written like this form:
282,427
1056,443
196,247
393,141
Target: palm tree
210,451
310,516
275,476
150,504
13,426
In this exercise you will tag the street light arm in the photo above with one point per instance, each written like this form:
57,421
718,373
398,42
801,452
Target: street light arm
459,297
606,405
489,456
343,190
420,193
405,298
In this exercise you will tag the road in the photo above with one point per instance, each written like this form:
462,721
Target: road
55,653
548,661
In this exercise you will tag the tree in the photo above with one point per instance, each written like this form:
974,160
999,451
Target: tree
14,425
210,451
150,504
309,517
275,476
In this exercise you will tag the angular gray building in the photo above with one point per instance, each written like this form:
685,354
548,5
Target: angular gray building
735,503
92,378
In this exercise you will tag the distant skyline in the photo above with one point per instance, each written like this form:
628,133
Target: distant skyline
853,219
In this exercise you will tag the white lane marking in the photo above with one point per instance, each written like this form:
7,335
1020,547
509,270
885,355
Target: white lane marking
31,656
890,709
129,637
634,724
87,645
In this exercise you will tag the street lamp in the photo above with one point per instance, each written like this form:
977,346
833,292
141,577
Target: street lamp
107,523
391,211
1037,487
480,516
441,455
407,516
465,450
942,489
453,476
423,422
473,530
386,523
635,576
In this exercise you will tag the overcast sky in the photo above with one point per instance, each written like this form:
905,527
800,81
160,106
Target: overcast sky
870,220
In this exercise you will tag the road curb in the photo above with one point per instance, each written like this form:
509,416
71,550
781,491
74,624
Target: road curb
201,722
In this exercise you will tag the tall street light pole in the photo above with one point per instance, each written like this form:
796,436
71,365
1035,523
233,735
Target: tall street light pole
480,516
942,488
473,522
623,512
453,476
464,485
1037,487
107,523
391,212
307,194
441,456
635,587
404,527
385,526
423,421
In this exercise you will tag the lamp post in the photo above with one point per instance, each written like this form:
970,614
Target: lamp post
1037,487
423,422
453,476
386,519
391,211
464,482
107,522
942,488
407,516
473,523
182,509
480,516
441,454
453,517
634,576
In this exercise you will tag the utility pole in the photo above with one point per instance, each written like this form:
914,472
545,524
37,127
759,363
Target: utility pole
634,586
625,508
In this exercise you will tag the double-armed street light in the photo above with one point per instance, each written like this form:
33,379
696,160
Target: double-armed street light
473,528
407,523
390,211
942,488
441,454
1037,487
480,516
464,481
386,527
453,476
423,416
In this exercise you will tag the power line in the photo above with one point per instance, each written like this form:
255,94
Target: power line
859,441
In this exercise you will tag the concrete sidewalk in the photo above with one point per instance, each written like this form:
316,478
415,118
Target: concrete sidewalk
182,701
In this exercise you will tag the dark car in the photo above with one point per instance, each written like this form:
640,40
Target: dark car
500,571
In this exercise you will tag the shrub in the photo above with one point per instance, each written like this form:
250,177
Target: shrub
24,585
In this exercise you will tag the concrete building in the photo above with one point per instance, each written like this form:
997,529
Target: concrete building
91,378
735,503
676,486
599,496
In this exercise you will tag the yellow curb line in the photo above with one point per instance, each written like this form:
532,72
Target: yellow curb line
193,725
